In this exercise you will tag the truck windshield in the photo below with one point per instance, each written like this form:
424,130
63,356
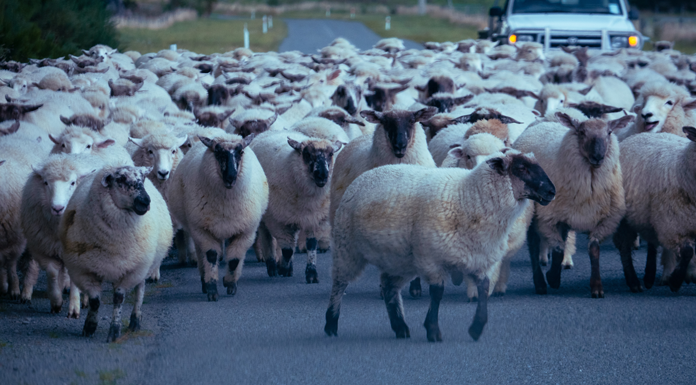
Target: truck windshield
608,7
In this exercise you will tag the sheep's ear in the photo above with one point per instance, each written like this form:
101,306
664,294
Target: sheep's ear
508,120
567,120
463,119
106,143
26,109
689,105
206,85
36,170
463,99
537,113
182,140
65,120
690,132
85,52
456,151
2,161
500,165
11,129
295,144
372,116
394,91
271,120
145,171
333,75
421,88
107,179
337,145
280,110
136,141
224,115
88,173
353,120
53,139
425,114
586,90
248,139
619,123
210,143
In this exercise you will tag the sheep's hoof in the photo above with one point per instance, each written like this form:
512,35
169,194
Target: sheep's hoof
323,250
415,288
89,328
402,331
66,291
114,333
284,271
553,278
675,282
271,267
331,327
434,334
598,292
311,273
567,266
476,329
473,299
55,309
14,296
543,263
498,294
73,314
151,280
231,288
203,285
25,300
211,290
134,324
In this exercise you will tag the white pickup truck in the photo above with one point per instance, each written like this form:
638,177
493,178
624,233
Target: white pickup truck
597,24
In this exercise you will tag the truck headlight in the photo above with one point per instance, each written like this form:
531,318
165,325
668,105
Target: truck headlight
619,42
633,41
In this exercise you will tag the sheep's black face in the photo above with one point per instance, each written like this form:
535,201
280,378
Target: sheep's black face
378,101
14,111
319,162
347,98
217,95
127,188
400,129
253,127
229,157
536,184
593,138
439,84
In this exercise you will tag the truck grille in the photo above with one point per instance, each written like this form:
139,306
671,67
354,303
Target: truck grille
566,39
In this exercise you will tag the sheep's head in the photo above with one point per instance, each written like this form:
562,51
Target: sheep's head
470,62
228,154
217,94
84,120
126,186
446,102
473,151
594,135
529,180
483,113
437,123
340,117
12,66
124,87
162,152
75,141
348,96
212,118
15,111
399,126
252,126
382,98
530,52
594,109
654,108
437,84
60,176
317,156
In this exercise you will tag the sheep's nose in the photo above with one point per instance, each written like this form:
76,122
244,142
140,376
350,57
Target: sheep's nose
162,174
57,210
645,116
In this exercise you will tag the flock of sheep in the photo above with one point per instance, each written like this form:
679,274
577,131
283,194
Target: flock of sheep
436,163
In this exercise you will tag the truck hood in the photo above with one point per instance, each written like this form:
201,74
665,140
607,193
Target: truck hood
570,22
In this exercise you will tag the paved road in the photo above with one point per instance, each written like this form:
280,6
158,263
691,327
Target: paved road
310,35
272,332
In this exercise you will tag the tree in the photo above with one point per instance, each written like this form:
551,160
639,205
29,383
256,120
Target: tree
53,28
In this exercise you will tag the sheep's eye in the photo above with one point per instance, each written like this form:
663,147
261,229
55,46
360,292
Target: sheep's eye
46,183
89,146
173,151
63,145
669,103
468,156
150,152
73,183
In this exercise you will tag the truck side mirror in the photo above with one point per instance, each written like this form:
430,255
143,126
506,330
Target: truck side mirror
633,14
495,12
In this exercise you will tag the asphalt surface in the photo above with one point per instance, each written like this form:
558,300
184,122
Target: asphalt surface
271,331
310,35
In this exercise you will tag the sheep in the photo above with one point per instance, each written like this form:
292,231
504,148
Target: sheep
662,107
590,198
124,87
382,97
658,182
161,151
316,127
116,228
252,121
298,169
349,97
222,172
78,140
57,81
472,151
44,198
464,218
342,118
213,116
16,111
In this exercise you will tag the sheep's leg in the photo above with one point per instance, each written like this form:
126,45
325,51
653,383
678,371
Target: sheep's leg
74,303
137,315
415,288
55,289
553,276
534,243
471,289
686,253
234,254
201,269
623,240
311,271
569,251
155,275
481,316
12,274
30,278
391,289
431,320
210,272
334,310
93,290
287,240
650,266
669,263
544,253
64,280
115,328
4,285
595,278
504,275
344,270
266,245
181,242
302,239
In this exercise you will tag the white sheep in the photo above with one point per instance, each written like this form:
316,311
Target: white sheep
116,229
223,173
351,125
463,221
298,169
582,160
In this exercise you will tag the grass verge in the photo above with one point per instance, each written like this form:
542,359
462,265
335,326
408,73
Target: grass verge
206,36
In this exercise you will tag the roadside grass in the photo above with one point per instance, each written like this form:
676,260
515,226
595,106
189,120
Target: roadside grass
420,29
206,36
